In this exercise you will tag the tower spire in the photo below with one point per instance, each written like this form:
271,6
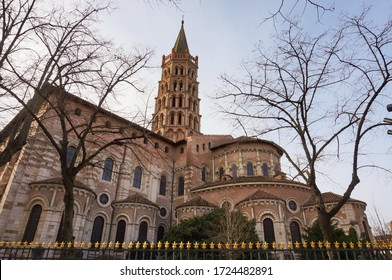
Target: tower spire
177,110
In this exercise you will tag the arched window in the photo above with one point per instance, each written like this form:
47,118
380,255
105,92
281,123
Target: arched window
295,232
96,234
265,170
180,86
269,232
107,169
249,169
180,101
137,179
160,233
161,120
197,148
221,172
179,118
143,230
32,223
159,104
203,173
234,171
181,186
173,101
120,232
71,151
162,185
171,118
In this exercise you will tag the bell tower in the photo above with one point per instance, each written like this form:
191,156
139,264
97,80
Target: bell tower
177,110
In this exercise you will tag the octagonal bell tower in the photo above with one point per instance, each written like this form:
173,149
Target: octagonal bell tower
177,110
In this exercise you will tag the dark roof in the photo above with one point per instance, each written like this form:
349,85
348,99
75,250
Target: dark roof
59,181
248,179
181,44
137,198
329,197
260,195
246,139
197,201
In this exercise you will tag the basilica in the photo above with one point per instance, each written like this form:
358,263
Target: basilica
176,172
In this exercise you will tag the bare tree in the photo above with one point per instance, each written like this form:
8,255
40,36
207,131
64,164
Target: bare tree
320,94
46,57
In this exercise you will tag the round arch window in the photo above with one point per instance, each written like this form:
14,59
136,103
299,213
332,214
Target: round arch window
163,212
103,199
293,206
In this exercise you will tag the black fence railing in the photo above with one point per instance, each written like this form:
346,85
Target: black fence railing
200,253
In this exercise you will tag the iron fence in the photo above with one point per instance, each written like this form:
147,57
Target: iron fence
195,251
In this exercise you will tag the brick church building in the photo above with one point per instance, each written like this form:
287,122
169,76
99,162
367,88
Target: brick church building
177,172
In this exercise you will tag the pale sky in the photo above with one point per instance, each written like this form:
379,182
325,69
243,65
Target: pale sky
223,33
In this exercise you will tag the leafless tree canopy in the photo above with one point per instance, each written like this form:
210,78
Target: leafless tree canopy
321,94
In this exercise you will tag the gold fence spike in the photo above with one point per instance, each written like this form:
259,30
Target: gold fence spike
274,245
344,244
289,245
281,245
82,245
104,245
265,245
351,245
2,243
243,245
117,245
13,244
235,245
110,245
7,244
250,245
227,245
43,244
69,244
320,244
219,245
305,244
137,245
337,245
327,244
359,244
196,245
124,245
297,244
188,245
376,245
181,246
212,245
130,245
96,245
49,244
152,245
368,245
174,245
167,244
203,245
312,244
258,245
76,244
62,244
145,245
159,245
89,245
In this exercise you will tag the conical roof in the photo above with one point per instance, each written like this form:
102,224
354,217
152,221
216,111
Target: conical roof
181,44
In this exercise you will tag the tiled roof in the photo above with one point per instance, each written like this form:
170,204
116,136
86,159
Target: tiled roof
247,179
247,139
59,181
197,201
260,195
328,197
137,198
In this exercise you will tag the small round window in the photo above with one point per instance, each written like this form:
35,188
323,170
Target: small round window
103,198
163,212
293,205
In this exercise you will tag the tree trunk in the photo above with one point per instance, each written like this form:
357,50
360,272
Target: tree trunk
69,201
326,229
